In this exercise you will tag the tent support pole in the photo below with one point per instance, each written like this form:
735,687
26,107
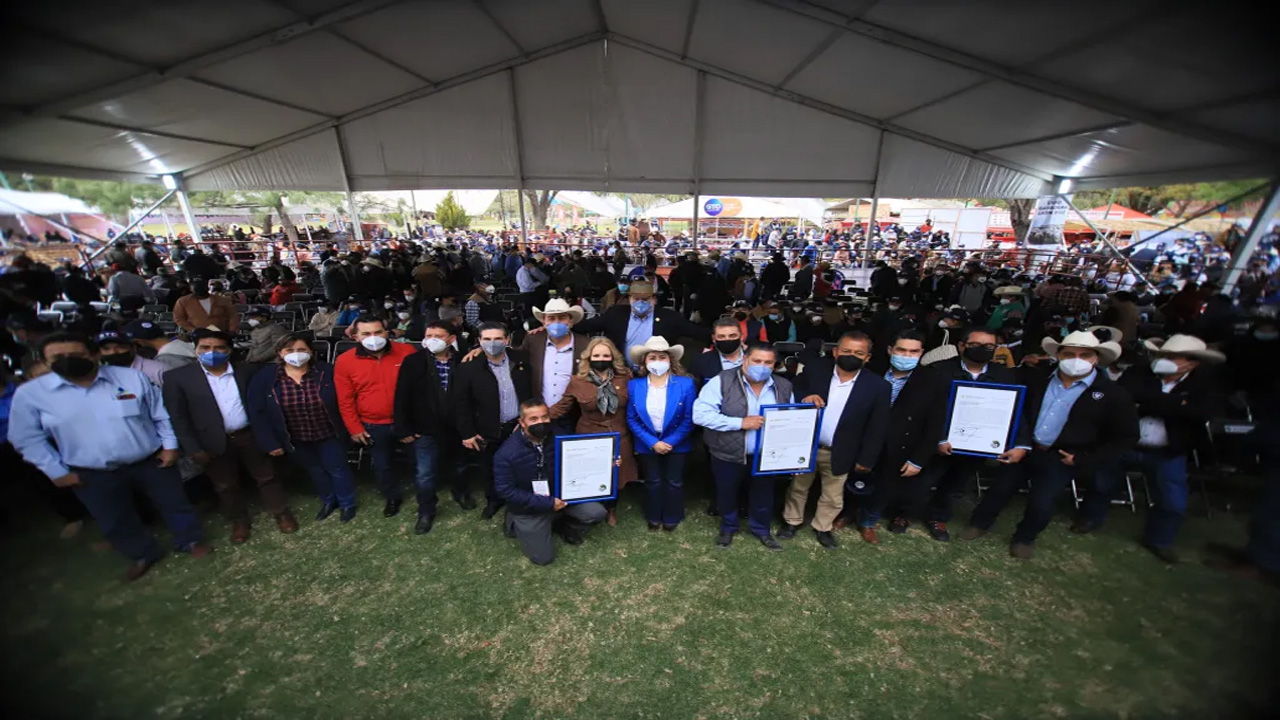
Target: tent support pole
1101,236
875,203
1208,210
515,129
356,232
698,94
185,202
1244,251
146,214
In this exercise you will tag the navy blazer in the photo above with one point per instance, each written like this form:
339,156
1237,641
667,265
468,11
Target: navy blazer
704,366
677,421
267,419
860,434
515,468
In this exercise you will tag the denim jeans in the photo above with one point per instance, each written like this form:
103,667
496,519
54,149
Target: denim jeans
383,443
729,478
664,487
108,494
326,462
434,456
1167,476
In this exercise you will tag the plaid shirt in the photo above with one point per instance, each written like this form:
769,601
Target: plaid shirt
305,416
1071,300
442,369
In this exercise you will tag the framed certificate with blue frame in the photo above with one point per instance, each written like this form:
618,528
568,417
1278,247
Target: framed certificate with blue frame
982,418
788,442
587,467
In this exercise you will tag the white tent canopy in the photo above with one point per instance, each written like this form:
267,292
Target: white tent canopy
908,98
591,202
14,202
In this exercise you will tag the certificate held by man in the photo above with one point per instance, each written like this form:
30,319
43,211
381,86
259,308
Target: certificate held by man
788,441
587,467
983,417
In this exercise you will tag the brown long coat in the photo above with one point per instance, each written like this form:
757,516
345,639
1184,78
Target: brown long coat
582,394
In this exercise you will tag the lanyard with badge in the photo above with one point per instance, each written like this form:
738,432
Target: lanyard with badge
541,486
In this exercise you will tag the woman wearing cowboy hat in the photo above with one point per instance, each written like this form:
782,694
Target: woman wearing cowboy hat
1175,399
599,392
660,415
1079,422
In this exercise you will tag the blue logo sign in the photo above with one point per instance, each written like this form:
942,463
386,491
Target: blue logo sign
713,207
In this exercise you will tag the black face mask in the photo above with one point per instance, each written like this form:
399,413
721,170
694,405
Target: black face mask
200,292
73,367
601,365
739,316
979,354
849,363
147,352
539,431
124,359
728,347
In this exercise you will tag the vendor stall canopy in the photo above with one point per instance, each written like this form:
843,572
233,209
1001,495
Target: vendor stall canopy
849,98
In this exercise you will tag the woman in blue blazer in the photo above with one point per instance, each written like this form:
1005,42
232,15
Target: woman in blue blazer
293,408
660,415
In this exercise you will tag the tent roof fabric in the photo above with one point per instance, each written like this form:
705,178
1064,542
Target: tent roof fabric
14,202
988,98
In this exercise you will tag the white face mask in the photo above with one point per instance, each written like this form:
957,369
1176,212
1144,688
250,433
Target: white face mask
298,359
403,315
374,343
388,305
488,290
1005,301
434,345
255,322
658,367
1075,367
942,324
1164,366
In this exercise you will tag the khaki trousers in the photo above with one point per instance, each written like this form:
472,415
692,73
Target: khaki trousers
829,504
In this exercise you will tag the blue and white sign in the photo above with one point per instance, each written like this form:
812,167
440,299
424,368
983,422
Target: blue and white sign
713,207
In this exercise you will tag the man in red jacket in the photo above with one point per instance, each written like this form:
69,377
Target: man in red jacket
365,378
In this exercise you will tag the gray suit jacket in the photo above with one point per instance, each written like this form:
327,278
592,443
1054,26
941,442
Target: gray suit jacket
197,421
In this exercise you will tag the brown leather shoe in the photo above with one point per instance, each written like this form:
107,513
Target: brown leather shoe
239,531
201,549
138,569
1022,551
287,522
870,535
972,533
613,518
841,522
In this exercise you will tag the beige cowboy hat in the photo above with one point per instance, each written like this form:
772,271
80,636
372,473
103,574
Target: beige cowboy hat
641,287
1189,345
1107,351
1116,334
556,306
1009,290
657,343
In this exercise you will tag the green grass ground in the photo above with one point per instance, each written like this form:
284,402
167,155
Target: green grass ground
369,621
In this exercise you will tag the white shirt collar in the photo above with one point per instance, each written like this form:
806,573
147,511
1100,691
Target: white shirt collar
230,370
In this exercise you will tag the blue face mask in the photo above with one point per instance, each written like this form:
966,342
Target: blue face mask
623,288
558,330
758,373
641,307
903,363
213,359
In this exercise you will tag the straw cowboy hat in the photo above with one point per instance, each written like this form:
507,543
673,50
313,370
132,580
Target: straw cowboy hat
1188,345
558,305
1009,290
1107,351
657,343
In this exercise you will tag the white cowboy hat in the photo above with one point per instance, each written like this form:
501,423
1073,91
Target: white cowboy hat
657,343
558,305
1189,345
1009,290
1107,351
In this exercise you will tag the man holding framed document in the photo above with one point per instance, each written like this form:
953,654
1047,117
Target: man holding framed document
851,433
526,477
729,407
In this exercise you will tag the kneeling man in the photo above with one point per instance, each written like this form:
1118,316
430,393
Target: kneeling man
524,470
